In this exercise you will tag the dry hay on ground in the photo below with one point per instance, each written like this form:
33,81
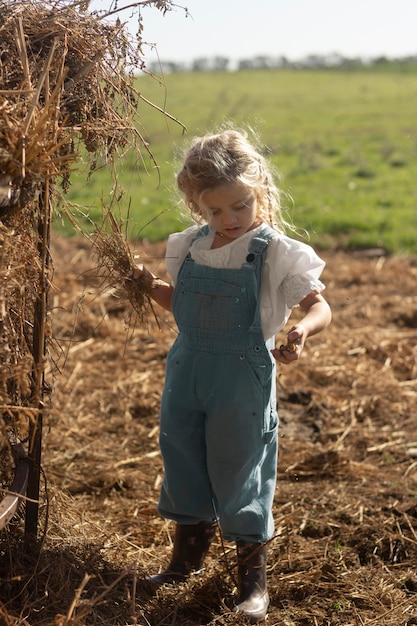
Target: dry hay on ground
345,549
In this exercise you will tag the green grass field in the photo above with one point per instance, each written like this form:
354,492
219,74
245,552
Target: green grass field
345,144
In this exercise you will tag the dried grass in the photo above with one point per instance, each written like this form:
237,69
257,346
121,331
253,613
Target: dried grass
116,264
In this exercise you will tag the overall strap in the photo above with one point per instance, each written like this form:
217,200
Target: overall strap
254,261
203,231
259,244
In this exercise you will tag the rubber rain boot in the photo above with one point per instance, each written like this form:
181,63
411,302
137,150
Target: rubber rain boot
253,598
191,544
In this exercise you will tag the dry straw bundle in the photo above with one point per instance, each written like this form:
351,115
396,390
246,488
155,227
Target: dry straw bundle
116,266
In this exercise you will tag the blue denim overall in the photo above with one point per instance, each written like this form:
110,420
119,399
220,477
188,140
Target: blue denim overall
218,430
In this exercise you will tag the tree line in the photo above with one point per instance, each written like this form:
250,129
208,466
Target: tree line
265,62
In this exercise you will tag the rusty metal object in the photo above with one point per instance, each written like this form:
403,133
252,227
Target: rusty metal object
10,504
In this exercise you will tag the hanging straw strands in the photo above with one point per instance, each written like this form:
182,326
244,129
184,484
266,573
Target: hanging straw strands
63,83
116,265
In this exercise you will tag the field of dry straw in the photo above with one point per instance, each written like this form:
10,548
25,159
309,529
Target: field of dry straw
345,548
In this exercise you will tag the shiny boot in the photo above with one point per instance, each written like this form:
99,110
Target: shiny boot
253,598
191,544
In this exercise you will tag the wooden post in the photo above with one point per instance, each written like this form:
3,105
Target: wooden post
38,375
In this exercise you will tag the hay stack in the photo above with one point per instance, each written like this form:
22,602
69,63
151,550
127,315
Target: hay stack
64,83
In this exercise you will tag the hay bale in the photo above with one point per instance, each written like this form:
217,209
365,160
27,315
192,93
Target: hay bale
64,84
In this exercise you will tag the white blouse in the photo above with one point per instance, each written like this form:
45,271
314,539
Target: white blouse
291,269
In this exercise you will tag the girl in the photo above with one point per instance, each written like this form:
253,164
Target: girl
235,278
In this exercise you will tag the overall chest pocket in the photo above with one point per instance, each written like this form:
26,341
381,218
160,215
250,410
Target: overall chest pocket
212,304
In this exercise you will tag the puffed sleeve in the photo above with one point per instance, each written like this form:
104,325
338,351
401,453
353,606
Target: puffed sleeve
178,245
304,270
291,271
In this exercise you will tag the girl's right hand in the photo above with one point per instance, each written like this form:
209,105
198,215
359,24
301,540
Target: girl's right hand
157,289
142,273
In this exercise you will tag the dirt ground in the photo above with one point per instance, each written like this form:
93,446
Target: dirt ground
345,544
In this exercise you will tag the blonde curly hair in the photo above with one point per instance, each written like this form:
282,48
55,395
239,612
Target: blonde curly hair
229,157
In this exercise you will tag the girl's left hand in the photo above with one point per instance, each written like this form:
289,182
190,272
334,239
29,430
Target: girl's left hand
295,344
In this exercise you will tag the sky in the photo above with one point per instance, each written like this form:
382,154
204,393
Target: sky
243,29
